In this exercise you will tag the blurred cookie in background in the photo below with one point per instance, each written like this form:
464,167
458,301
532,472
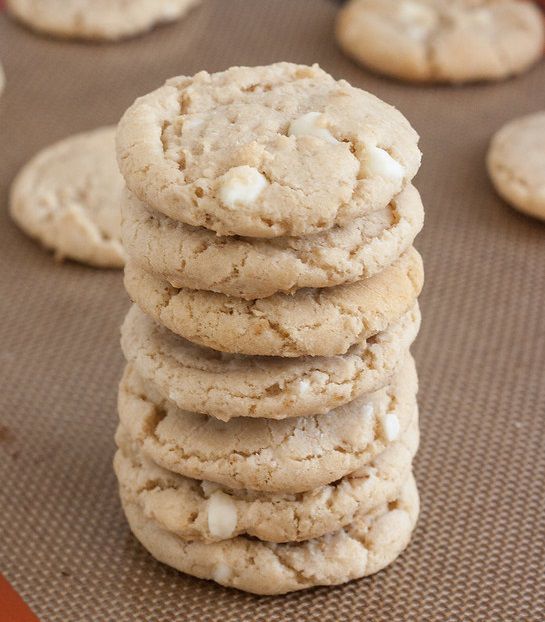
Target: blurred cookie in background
106,20
451,41
516,163
68,197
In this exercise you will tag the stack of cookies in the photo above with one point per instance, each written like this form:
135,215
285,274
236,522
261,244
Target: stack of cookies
268,414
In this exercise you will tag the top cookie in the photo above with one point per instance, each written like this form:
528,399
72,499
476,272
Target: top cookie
96,19
516,163
442,40
265,151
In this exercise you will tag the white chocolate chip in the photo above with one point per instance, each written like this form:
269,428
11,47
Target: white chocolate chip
311,124
481,17
304,386
368,411
417,33
192,122
380,162
222,515
241,185
390,426
170,10
418,19
221,572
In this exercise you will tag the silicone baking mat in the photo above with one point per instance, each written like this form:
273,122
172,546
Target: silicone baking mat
479,550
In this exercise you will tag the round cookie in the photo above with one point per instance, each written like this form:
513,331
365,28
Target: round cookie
200,510
228,386
442,40
314,322
366,546
250,268
289,455
96,19
265,151
516,163
68,198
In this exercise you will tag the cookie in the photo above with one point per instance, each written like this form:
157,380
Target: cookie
442,40
516,163
200,510
68,198
315,322
228,386
250,268
96,19
366,546
265,151
289,455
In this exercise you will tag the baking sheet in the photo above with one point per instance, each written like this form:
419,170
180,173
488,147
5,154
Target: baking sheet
479,549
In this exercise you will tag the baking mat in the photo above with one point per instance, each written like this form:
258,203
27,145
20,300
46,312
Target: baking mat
479,551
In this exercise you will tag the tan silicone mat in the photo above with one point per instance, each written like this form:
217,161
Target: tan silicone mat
479,550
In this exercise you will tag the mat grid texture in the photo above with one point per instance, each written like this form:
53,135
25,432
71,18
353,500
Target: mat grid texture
478,553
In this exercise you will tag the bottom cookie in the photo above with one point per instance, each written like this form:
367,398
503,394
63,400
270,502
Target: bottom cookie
364,547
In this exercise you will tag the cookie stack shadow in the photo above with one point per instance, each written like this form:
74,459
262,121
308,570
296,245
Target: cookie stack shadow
268,413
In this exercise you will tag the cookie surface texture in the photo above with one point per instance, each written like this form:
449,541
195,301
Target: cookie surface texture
228,386
516,163
265,151
196,258
201,510
442,40
289,455
368,544
68,197
106,20
315,322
